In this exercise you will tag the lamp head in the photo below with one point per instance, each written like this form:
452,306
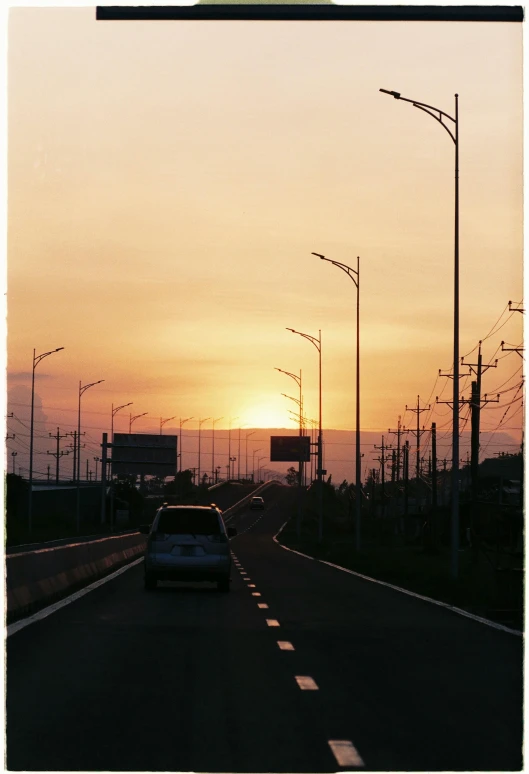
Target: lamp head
318,255
395,94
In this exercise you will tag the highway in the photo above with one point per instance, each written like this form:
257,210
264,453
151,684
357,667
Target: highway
300,668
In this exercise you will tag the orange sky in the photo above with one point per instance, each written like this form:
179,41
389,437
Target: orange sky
168,182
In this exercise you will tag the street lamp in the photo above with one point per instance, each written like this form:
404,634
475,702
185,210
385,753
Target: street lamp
232,467
253,463
82,390
114,412
200,423
232,419
133,419
317,344
213,446
36,361
182,422
355,276
259,467
246,463
438,115
164,421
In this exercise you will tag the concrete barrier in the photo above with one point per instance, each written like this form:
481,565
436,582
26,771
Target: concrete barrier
35,578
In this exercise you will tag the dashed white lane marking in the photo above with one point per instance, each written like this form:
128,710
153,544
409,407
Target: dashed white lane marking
262,605
272,622
256,593
345,753
306,683
251,585
284,645
18,625
457,610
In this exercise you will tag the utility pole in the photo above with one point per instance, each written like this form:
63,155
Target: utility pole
58,454
382,459
418,433
74,446
406,473
475,405
398,432
14,454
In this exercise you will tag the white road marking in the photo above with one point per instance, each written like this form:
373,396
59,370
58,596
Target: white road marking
345,753
284,645
306,683
45,612
409,593
262,605
272,622
251,585
256,594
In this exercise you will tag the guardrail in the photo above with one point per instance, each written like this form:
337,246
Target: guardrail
37,576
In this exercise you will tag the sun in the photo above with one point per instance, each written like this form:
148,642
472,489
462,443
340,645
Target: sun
268,415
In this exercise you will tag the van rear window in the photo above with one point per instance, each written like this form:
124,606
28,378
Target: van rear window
185,522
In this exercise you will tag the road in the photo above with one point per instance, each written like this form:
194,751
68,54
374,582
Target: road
189,679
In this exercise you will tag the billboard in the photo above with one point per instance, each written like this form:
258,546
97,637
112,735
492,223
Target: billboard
144,454
289,448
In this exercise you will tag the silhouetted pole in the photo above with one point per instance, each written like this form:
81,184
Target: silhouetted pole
36,361
355,277
438,115
82,390
317,343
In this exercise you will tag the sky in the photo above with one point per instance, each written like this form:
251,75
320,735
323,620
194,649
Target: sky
168,182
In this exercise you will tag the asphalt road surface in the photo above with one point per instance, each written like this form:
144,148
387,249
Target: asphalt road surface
190,679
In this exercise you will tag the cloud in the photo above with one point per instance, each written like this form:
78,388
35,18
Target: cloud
23,375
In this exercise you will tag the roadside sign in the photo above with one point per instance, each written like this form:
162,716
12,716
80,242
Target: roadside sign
289,448
144,454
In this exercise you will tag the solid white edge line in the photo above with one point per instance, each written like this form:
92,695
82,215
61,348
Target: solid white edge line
445,605
46,611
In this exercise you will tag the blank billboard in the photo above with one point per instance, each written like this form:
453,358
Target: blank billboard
144,454
289,448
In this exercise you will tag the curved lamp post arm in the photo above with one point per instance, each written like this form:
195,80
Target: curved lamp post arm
38,358
115,410
297,378
310,338
430,109
352,273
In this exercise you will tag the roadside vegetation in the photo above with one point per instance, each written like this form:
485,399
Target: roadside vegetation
401,550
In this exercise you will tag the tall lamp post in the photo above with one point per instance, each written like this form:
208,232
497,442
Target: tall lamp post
200,423
246,463
354,275
36,361
182,422
164,421
320,473
114,412
213,448
259,467
232,419
439,115
82,390
253,463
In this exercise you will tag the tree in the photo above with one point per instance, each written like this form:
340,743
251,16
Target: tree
291,476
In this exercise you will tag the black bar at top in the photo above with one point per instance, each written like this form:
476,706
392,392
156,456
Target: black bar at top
311,12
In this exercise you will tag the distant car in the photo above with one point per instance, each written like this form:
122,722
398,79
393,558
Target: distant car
188,543
256,503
